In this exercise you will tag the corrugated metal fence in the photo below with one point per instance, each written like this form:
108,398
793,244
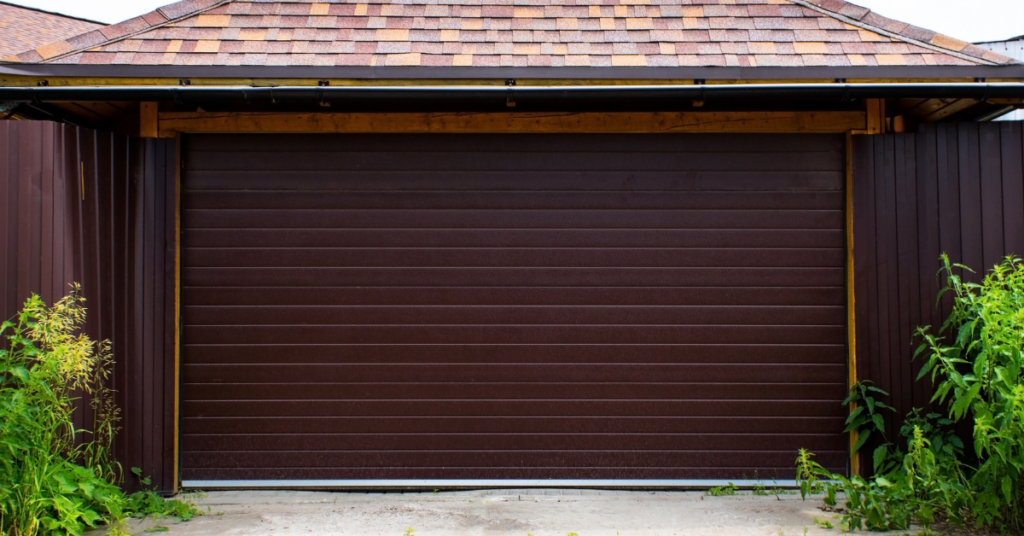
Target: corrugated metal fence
956,188
98,208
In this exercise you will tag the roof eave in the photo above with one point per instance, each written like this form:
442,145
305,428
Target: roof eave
878,73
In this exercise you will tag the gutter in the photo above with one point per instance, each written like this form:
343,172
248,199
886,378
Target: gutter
569,74
839,92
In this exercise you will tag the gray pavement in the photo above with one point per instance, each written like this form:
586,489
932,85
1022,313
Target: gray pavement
498,512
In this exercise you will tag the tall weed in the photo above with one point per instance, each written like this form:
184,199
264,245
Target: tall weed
975,363
55,479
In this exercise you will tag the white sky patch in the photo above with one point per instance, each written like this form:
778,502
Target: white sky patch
970,20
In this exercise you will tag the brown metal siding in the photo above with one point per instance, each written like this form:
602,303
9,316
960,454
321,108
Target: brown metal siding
112,238
952,188
587,306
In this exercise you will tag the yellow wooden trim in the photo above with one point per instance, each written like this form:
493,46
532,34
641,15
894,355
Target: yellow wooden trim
851,317
526,122
31,81
876,116
148,123
177,308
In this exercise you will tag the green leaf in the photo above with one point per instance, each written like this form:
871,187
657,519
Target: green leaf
158,528
1007,485
878,457
861,440
20,372
879,422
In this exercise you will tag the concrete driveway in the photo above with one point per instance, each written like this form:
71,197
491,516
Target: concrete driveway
500,513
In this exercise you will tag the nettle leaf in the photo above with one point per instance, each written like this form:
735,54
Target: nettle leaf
879,422
878,457
861,440
21,372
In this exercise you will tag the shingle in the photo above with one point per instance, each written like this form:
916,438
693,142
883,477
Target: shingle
514,32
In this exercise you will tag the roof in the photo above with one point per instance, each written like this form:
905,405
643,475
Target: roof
24,28
513,33
1010,40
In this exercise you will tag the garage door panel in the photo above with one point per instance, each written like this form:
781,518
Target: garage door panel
598,180
343,442
509,408
314,143
551,390
243,352
505,238
487,473
445,334
514,219
475,306
487,314
512,372
801,425
477,161
511,199
387,296
559,277
512,257
474,459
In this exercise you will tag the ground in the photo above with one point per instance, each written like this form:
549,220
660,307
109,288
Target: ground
498,513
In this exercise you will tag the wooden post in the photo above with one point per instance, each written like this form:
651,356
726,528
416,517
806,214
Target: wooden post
851,317
876,116
149,123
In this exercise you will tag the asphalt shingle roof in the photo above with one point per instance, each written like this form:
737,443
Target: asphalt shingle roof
514,33
23,28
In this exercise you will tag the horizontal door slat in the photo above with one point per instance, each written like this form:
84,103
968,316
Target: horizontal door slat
511,199
542,334
510,390
262,257
463,295
531,315
619,181
533,277
513,219
675,424
515,238
525,442
499,372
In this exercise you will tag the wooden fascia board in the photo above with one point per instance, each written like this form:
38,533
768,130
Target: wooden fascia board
30,81
171,123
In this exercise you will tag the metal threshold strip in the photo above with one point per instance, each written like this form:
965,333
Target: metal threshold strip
427,484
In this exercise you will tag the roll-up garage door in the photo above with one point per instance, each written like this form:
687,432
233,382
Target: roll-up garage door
511,306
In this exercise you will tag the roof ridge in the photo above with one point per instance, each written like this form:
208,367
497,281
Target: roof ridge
65,15
863,17
113,33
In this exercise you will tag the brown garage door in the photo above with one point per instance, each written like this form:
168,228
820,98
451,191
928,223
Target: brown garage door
512,306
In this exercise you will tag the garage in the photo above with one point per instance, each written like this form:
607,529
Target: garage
532,307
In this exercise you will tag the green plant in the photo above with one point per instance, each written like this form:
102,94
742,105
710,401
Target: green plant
42,488
52,480
722,491
866,416
977,375
147,503
759,489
